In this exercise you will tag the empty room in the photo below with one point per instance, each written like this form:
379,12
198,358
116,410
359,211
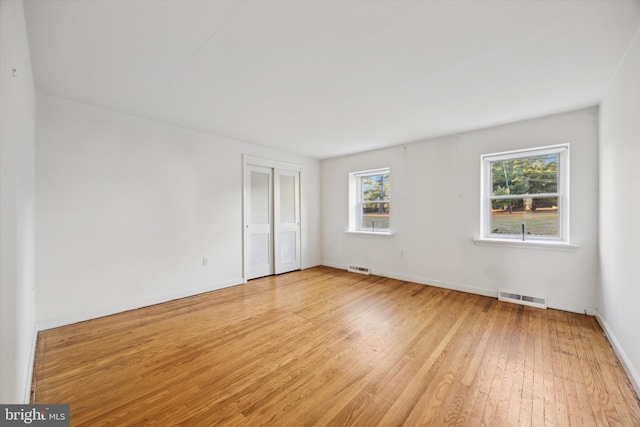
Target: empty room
312,212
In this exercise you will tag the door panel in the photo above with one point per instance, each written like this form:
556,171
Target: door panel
259,217
286,221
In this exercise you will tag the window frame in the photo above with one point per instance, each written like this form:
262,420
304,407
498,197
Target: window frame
562,193
356,201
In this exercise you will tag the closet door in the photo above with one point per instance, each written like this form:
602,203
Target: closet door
259,224
286,220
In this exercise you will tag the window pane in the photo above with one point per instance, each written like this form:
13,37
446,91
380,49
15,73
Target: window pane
374,216
375,187
527,175
539,215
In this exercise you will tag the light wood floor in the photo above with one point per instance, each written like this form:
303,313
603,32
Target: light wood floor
327,347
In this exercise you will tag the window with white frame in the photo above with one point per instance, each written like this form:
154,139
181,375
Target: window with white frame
370,205
525,194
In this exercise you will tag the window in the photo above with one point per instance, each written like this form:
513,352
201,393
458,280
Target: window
525,195
369,201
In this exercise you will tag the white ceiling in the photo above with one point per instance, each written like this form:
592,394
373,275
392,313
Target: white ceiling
326,78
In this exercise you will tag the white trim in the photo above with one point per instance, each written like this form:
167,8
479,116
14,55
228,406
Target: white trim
571,307
369,233
524,196
527,244
493,293
274,164
437,283
32,359
422,281
115,309
334,265
372,172
544,150
633,375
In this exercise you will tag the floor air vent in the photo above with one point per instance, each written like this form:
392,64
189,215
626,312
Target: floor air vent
361,270
517,298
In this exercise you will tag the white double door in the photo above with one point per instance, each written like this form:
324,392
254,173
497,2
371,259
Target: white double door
272,221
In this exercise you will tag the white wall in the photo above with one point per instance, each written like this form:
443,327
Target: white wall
435,196
17,125
127,208
619,291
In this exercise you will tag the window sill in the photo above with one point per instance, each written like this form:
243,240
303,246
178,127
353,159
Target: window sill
527,244
370,233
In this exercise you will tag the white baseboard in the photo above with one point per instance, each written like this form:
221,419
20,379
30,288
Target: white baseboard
558,305
634,378
438,283
107,311
335,265
424,281
32,358
571,307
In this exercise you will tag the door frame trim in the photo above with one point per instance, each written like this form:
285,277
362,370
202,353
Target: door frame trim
274,164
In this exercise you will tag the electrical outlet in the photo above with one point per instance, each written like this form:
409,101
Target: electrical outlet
205,262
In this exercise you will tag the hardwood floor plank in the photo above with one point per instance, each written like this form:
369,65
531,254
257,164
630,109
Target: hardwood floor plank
535,368
402,357
573,360
436,377
599,417
497,401
548,376
604,374
328,347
